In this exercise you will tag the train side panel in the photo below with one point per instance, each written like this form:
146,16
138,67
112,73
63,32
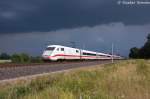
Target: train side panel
71,53
68,53
88,54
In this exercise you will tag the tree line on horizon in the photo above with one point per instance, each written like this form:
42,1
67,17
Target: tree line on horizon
20,58
141,53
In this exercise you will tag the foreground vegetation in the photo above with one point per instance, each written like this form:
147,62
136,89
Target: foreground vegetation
129,79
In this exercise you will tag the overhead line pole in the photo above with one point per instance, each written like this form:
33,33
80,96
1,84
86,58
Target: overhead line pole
112,50
73,44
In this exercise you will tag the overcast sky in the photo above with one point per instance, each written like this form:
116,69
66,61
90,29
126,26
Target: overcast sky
29,25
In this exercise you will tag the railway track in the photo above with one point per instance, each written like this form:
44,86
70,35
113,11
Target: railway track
12,65
10,71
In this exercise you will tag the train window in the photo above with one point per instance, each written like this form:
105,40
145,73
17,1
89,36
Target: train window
108,56
91,54
62,49
50,48
77,51
84,53
57,49
101,55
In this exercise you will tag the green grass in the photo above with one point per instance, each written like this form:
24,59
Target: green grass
129,79
5,61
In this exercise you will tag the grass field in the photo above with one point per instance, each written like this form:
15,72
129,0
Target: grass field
128,79
5,61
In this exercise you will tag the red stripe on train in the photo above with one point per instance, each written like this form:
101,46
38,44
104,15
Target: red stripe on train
71,55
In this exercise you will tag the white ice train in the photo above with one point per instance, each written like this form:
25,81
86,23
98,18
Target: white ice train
58,52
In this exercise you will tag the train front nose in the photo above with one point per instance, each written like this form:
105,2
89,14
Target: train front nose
46,55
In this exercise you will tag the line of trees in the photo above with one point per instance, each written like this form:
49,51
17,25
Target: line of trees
20,58
143,52
4,56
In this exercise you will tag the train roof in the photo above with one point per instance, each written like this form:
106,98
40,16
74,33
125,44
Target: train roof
82,50
61,46
55,46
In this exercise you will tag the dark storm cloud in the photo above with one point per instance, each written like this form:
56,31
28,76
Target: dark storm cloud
30,25
18,16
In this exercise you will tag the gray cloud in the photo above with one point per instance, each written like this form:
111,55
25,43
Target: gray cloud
98,38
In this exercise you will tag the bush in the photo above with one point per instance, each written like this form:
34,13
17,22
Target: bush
134,52
21,58
36,60
15,58
4,56
143,52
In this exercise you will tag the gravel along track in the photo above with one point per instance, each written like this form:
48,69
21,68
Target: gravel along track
6,65
9,72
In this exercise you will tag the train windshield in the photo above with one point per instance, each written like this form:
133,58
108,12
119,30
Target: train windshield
50,48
